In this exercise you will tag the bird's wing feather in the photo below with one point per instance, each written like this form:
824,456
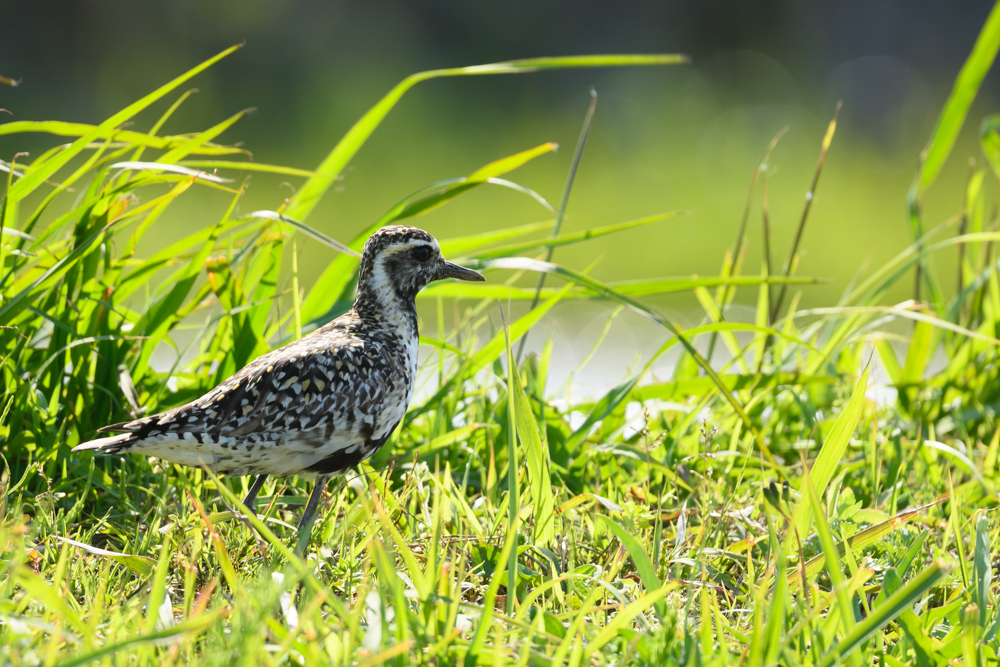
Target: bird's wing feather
278,392
115,428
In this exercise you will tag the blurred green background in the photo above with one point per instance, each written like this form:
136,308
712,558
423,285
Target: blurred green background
668,138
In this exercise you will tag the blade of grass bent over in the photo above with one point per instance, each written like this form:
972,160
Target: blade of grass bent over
193,626
38,175
120,136
470,244
631,288
865,537
330,169
141,565
624,616
524,263
578,237
335,281
489,352
440,193
886,612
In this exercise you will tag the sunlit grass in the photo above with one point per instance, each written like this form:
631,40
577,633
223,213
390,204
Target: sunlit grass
760,510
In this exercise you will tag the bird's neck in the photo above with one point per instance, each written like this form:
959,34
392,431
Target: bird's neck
379,302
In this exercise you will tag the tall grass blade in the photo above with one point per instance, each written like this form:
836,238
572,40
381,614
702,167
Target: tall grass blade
946,130
158,594
536,457
643,565
832,558
984,568
561,213
789,265
956,108
885,613
513,464
918,354
832,452
489,599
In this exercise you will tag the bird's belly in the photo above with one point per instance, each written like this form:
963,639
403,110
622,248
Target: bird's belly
299,454
338,442
231,456
304,453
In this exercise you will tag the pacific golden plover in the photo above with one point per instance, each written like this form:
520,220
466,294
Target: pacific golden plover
319,405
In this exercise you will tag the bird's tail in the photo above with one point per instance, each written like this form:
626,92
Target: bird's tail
111,445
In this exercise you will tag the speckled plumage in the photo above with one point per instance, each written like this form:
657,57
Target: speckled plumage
321,404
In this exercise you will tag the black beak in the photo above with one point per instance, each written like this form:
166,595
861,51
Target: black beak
450,270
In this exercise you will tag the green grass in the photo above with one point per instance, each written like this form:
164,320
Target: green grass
762,510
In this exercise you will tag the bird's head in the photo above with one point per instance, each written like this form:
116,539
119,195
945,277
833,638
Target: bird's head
399,261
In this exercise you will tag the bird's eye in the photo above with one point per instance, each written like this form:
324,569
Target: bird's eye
422,253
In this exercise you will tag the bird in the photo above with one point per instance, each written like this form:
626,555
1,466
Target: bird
319,405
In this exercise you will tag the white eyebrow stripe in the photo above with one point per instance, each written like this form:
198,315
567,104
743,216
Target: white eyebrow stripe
409,245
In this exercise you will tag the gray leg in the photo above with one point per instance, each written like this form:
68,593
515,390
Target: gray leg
306,522
249,501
